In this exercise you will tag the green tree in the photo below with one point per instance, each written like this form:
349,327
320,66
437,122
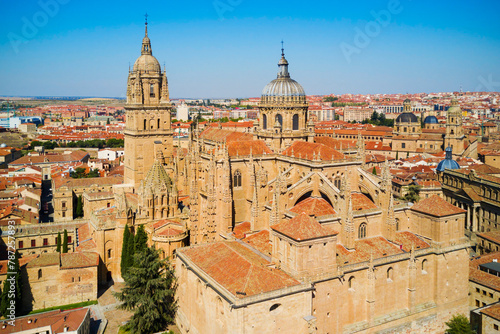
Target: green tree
65,242
374,171
149,292
458,324
125,255
141,239
397,155
130,250
58,249
93,173
412,195
12,287
79,207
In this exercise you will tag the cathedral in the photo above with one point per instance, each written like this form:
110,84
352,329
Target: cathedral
274,231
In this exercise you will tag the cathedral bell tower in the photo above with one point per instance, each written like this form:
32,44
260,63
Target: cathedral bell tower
454,137
148,115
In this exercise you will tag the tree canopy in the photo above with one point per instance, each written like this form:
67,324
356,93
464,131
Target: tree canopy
149,292
458,324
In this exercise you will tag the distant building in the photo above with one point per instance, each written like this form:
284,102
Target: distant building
75,321
183,112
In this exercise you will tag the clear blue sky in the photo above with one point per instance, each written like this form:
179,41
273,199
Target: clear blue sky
230,48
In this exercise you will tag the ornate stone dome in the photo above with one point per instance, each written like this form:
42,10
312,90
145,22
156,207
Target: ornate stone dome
448,162
283,87
146,62
407,117
431,120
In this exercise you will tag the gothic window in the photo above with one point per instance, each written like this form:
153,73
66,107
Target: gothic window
152,90
362,231
351,282
390,274
452,132
237,179
424,267
279,120
264,122
336,182
295,122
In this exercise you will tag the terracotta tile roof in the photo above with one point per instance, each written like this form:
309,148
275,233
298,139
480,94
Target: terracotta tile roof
493,236
407,239
244,147
361,202
169,232
303,227
221,135
260,241
240,230
492,311
44,260
436,206
87,246
23,260
237,268
312,206
87,182
482,277
57,320
79,260
379,247
306,150
59,158
334,143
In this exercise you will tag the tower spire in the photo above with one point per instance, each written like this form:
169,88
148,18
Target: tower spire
146,16
282,49
283,65
146,43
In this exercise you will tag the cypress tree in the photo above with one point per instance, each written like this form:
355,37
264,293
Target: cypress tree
141,239
58,249
125,255
65,242
11,294
149,292
374,171
79,207
130,251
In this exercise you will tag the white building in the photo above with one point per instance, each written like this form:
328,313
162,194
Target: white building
183,112
110,153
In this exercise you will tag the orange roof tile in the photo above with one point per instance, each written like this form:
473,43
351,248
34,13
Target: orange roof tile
260,241
361,202
307,150
436,206
313,207
303,227
244,147
239,270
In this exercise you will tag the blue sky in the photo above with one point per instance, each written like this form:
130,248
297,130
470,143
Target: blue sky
230,48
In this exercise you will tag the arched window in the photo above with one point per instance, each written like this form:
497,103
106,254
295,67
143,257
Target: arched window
397,224
237,179
336,182
39,273
351,282
264,121
389,274
152,90
295,122
404,129
424,267
362,231
279,120
109,253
